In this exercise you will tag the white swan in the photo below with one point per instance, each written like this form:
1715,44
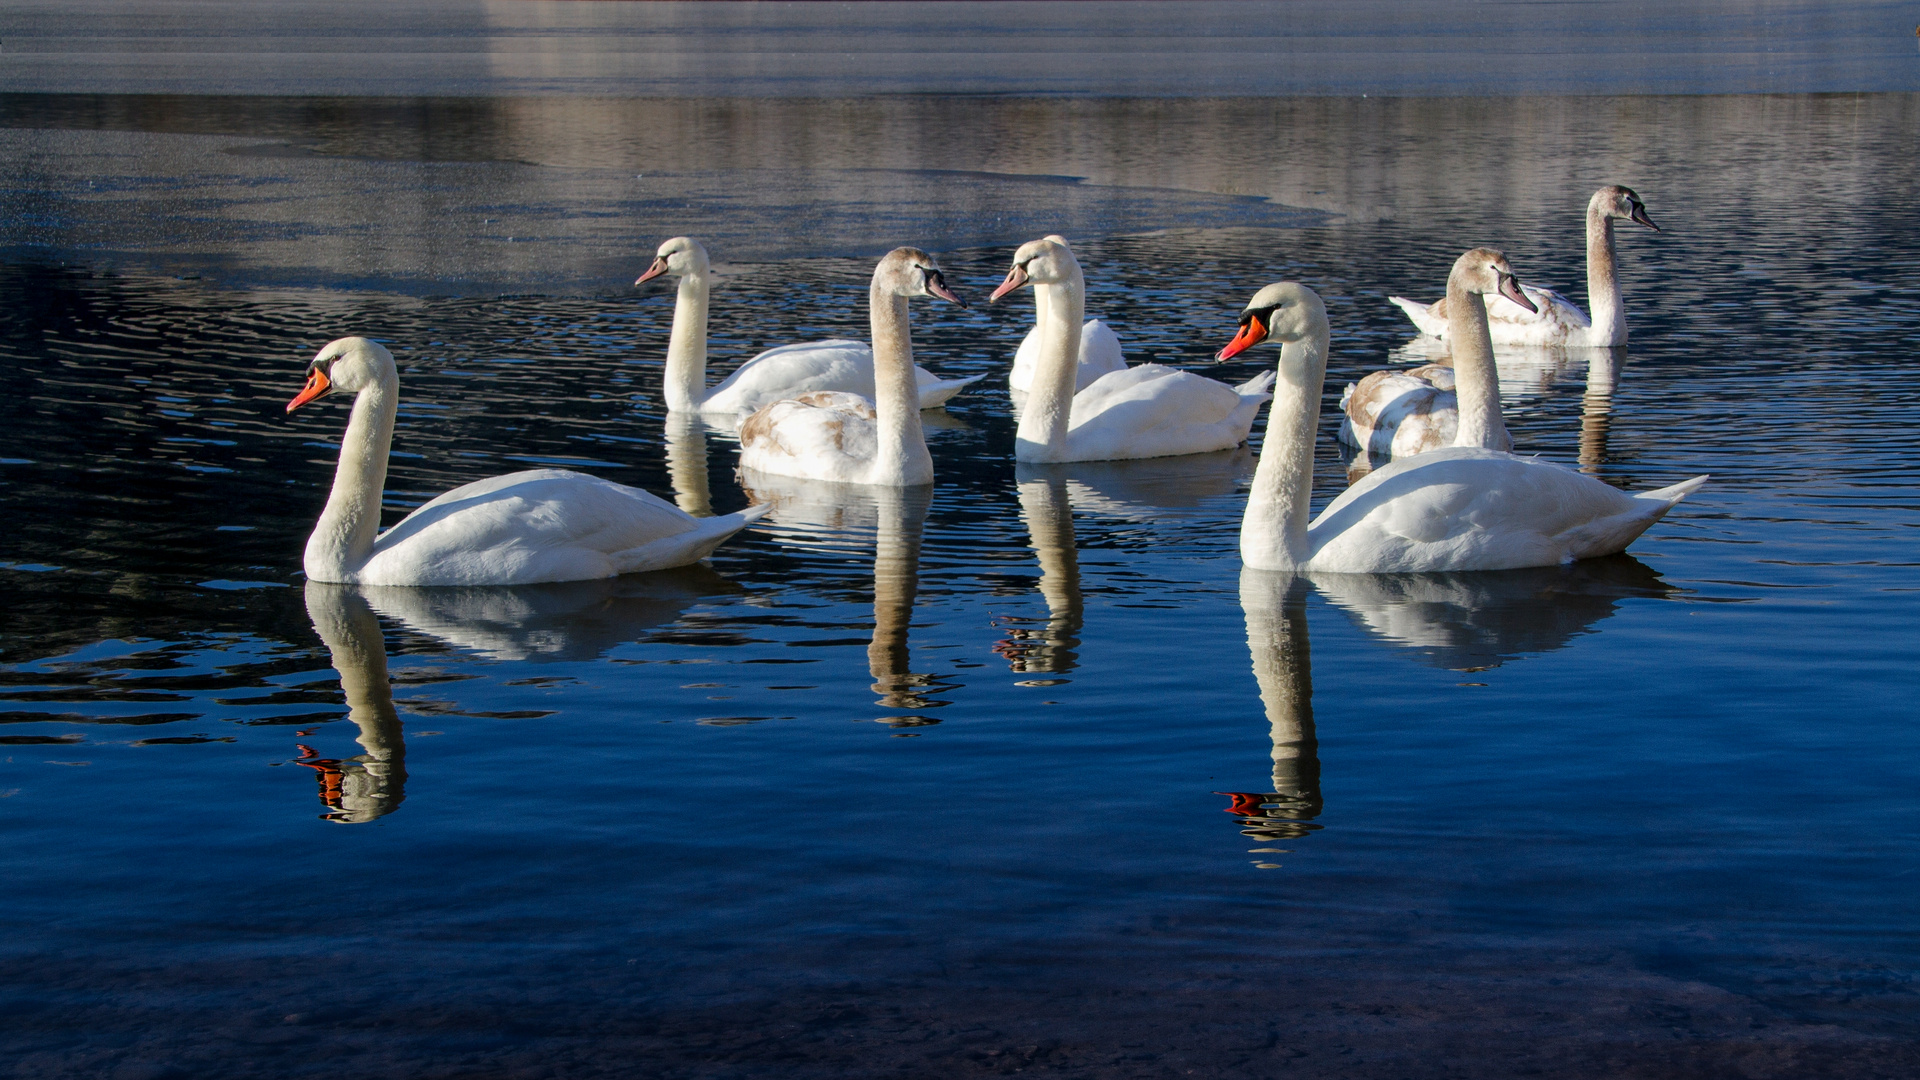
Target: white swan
1459,508
1404,412
1100,350
774,375
1555,319
1140,412
847,438
517,529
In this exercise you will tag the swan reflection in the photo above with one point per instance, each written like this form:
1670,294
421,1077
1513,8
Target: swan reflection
1467,622
1479,620
1596,406
685,436
817,513
1144,489
372,784
570,620
1275,604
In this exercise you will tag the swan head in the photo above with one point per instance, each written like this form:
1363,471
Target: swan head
1285,311
351,364
1616,201
1046,261
1486,271
909,271
679,256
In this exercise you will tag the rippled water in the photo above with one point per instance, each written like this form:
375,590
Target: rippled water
1021,774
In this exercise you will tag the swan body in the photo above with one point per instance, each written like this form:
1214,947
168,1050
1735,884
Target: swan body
784,372
1556,320
1456,508
846,438
1400,413
1137,412
518,529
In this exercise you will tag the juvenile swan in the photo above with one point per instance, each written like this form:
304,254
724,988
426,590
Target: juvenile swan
843,437
1460,508
1404,412
1140,412
774,375
1553,319
518,529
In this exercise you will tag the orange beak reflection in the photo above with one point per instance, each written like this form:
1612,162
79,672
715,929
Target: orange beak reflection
317,385
1252,333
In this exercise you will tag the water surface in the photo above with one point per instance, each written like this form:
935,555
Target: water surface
1021,773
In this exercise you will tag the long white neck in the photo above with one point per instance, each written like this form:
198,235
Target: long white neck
686,376
1603,287
1273,534
1042,435
1276,610
342,539
1475,378
900,451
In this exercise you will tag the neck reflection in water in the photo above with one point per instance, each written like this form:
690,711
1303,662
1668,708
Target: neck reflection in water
1462,622
815,513
373,784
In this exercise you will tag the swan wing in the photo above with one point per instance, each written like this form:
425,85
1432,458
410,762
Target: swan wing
1465,508
1401,412
789,371
1156,411
821,436
1429,318
525,528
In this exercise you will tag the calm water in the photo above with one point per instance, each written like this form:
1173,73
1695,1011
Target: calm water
1018,775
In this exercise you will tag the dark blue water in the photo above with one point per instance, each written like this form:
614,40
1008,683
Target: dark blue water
984,781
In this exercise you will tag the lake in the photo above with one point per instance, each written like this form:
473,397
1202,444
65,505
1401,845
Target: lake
1019,774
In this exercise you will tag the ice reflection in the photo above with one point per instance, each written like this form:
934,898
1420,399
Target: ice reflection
373,784
1474,621
817,513
1276,609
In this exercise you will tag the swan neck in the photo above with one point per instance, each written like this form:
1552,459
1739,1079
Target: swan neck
1476,378
1276,610
686,375
1048,413
1603,286
342,540
1273,534
900,445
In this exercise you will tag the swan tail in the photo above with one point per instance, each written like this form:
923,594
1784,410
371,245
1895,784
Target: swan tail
1673,493
688,547
1611,535
1421,315
935,394
1261,385
1346,434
